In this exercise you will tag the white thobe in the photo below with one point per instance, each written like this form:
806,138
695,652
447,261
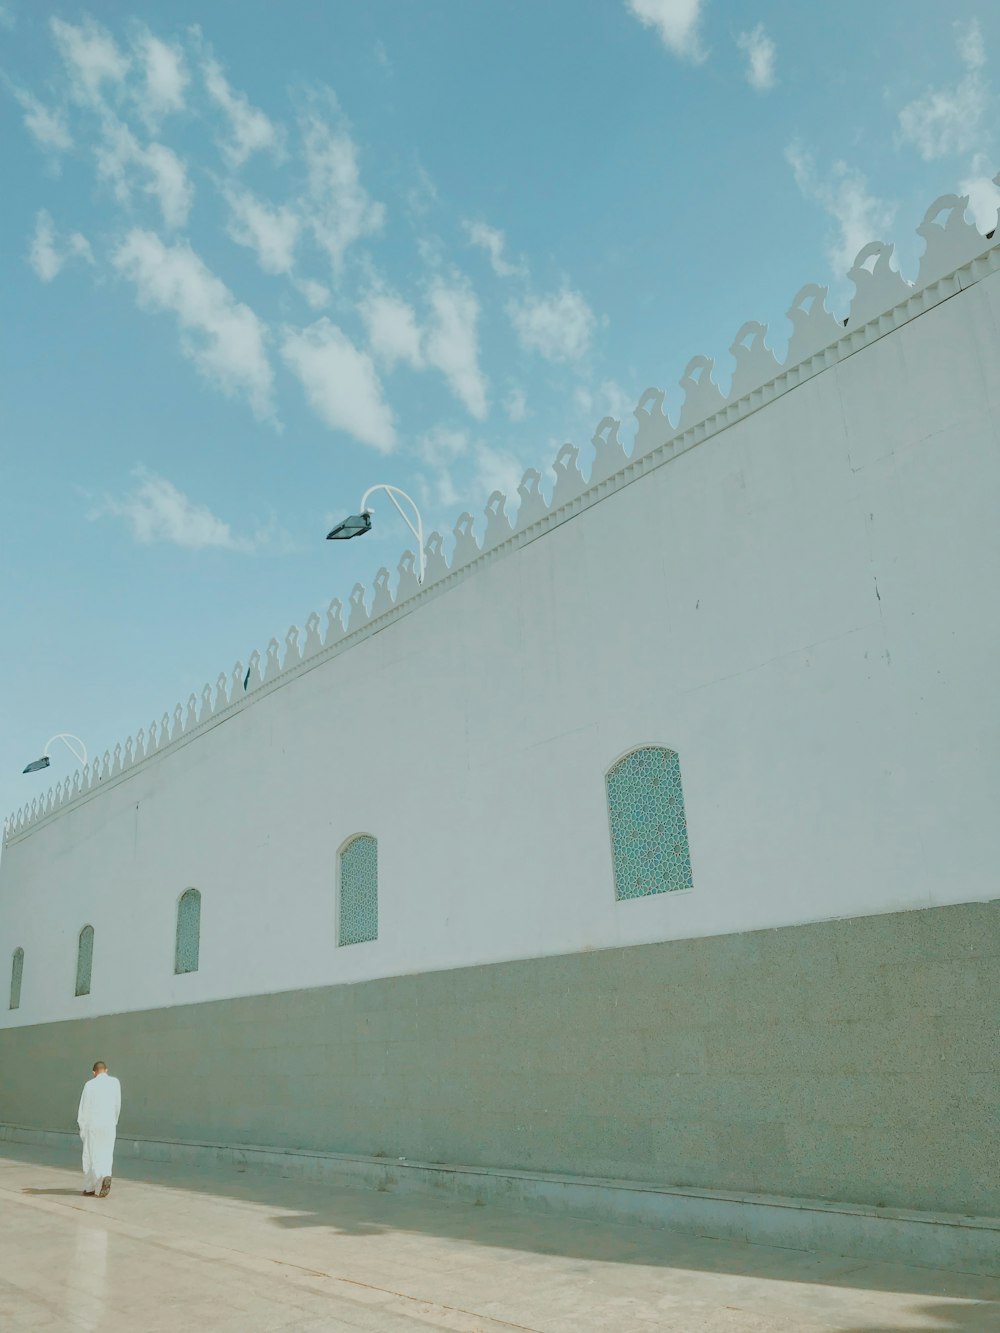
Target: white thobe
100,1106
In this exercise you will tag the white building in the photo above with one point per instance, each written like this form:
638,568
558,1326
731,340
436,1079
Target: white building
773,973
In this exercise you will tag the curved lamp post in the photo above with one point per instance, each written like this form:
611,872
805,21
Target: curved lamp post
67,738
358,524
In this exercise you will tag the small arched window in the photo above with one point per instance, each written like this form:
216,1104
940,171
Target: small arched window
649,841
84,960
188,931
16,971
358,914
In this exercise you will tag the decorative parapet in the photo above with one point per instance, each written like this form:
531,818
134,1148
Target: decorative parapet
956,255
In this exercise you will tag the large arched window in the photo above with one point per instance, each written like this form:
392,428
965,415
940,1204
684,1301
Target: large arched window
649,842
84,960
16,972
358,908
188,931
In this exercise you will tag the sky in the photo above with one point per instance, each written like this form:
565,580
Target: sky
257,257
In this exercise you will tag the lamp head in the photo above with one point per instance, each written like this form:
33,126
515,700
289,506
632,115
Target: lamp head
37,764
354,526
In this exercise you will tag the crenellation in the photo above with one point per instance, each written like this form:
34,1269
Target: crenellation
702,396
952,244
237,682
382,601
293,654
358,617
755,361
253,679
498,525
436,566
532,507
466,547
334,622
272,662
408,584
313,643
654,426
609,452
569,479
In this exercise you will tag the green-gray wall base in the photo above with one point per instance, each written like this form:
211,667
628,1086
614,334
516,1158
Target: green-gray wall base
936,1240
851,1060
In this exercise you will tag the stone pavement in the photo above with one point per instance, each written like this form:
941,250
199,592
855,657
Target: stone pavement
232,1251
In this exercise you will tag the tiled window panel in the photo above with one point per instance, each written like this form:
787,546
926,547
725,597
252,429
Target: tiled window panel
84,960
188,931
16,971
359,891
649,839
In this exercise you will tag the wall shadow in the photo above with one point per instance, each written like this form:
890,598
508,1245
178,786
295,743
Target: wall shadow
296,1205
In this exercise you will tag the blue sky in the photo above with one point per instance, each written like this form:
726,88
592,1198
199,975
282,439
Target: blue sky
257,257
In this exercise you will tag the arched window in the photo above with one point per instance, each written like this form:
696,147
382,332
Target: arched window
84,960
16,970
649,842
188,931
358,890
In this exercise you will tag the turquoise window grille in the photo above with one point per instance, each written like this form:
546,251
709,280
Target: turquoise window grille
16,972
84,960
188,932
358,891
649,841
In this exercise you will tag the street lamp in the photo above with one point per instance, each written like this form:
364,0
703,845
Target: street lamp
67,738
358,524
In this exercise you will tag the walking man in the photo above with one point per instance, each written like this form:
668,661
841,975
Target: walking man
97,1117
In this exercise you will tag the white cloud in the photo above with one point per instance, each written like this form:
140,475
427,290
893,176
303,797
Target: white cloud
340,209
157,169
860,216
516,404
675,21
440,448
156,511
984,197
46,125
971,48
447,341
341,383
949,120
164,74
492,240
441,445
444,449
91,56
393,332
46,256
315,293
497,470
272,233
609,400
7,19
223,337
451,342
558,327
760,53
249,129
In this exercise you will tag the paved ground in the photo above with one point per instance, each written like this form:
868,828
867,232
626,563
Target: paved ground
173,1249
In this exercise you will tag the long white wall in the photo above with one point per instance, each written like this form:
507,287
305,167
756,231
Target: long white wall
801,606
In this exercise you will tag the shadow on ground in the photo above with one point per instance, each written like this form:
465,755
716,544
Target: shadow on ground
353,1211
74,1193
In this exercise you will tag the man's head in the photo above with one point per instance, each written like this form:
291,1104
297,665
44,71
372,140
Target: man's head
100,1067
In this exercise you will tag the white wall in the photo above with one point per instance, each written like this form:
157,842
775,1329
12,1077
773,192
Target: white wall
803,607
